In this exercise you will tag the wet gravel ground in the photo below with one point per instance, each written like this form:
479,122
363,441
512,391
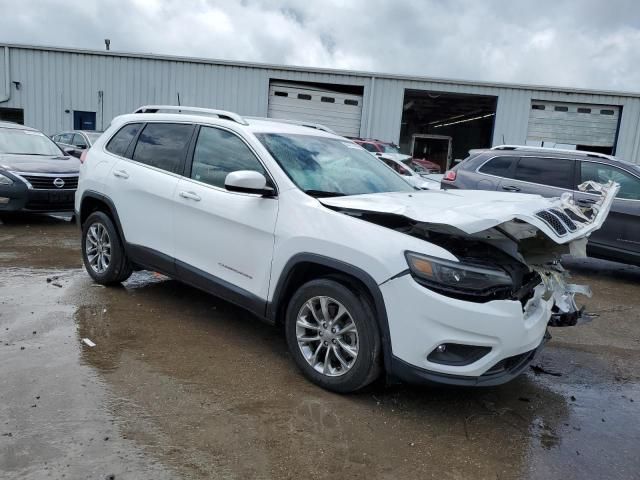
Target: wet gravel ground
182,385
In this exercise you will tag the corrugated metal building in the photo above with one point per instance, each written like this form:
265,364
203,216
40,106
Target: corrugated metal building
56,89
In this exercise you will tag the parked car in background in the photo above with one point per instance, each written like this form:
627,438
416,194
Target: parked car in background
378,147
411,175
428,165
76,141
552,172
35,174
366,274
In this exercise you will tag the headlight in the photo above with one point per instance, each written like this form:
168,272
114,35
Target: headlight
458,279
5,180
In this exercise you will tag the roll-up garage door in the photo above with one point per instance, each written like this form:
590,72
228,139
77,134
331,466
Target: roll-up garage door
341,112
573,125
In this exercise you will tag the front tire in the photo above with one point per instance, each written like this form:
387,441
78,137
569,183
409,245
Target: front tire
333,337
102,250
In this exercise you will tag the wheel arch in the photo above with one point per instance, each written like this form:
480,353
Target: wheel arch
308,266
93,202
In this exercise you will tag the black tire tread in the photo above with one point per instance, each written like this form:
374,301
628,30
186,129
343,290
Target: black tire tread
370,367
120,268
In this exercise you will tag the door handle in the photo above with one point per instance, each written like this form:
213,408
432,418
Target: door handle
510,188
121,174
586,202
190,196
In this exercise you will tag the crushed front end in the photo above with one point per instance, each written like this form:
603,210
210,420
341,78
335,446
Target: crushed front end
482,318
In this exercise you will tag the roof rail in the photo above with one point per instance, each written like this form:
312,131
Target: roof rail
550,149
302,123
223,114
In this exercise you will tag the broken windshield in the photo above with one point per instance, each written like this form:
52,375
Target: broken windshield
331,165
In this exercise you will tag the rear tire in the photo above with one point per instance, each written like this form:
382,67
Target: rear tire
333,336
103,252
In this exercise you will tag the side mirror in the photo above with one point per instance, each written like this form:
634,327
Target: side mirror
71,151
378,154
248,181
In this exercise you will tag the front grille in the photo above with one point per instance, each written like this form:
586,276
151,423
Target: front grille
39,182
565,219
51,200
553,221
574,216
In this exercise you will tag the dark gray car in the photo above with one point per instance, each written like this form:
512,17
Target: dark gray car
35,174
551,172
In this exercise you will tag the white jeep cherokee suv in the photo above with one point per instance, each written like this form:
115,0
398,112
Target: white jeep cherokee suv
307,230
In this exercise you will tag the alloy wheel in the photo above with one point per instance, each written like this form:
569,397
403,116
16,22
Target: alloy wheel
327,336
98,248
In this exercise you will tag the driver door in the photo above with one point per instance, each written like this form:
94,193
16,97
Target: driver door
223,240
621,230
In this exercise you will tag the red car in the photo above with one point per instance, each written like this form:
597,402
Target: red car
378,147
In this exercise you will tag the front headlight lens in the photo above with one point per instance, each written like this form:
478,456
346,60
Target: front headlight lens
445,276
4,180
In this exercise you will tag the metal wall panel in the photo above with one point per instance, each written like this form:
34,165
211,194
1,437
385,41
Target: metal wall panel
571,127
54,81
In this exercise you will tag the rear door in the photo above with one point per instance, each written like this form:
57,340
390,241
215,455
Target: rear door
546,176
142,188
224,240
489,175
621,230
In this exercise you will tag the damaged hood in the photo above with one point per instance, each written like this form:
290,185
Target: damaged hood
473,211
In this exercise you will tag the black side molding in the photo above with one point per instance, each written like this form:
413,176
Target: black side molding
220,288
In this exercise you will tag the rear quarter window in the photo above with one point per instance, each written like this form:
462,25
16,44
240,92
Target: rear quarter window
119,143
499,166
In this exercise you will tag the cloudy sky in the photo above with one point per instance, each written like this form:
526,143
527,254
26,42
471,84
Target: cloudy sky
578,43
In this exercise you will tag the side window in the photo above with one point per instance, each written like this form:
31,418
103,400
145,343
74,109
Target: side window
120,142
499,166
369,147
65,138
555,172
219,153
163,145
398,168
601,173
79,141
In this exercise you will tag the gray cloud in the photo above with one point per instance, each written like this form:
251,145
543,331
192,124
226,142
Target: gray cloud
579,43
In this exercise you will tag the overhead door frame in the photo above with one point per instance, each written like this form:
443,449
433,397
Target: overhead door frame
342,112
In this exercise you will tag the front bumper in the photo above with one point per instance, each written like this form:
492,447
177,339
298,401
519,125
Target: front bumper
420,320
24,199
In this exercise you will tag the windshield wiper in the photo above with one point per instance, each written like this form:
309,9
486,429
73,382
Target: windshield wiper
322,193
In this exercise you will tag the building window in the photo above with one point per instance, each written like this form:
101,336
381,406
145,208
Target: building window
537,107
584,110
607,112
280,94
351,102
561,109
304,96
328,99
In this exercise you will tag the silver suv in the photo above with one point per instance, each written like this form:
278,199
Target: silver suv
551,172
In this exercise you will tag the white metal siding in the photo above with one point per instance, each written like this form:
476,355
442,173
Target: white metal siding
55,80
301,102
581,124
